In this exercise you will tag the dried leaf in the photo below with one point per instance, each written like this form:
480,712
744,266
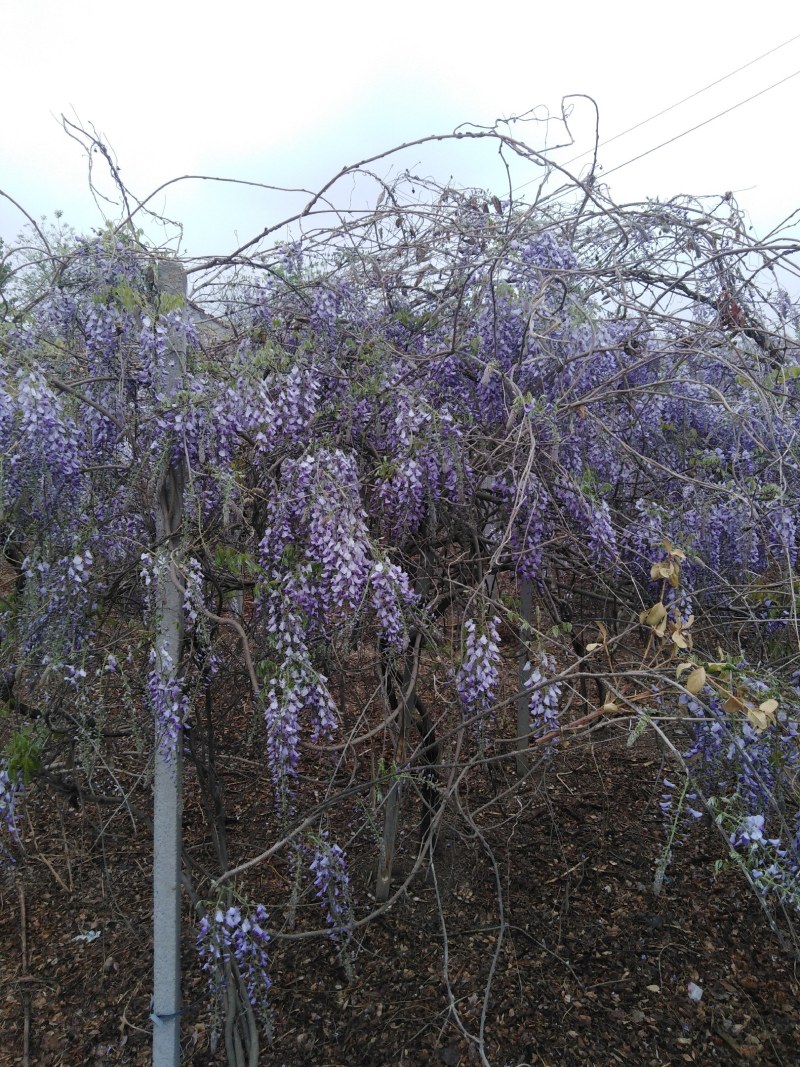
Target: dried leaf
758,718
696,680
734,704
654,615
763,716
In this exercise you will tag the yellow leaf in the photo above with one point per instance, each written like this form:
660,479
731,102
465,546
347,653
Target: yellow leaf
663,569
696,680
593,646
655,615
680,640
733,704
683,667
758,718
769,707
610,707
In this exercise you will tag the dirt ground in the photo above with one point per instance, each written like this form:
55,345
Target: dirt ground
592,967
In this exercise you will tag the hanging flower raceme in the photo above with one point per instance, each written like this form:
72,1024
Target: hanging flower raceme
44,449
530,524
293,690
391,592
193,592
236,937
319,517
545,697
10,790
332,882
602,542
168,702
479,675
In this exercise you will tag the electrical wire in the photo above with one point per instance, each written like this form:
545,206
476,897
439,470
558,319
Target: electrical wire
685,99
700,125
672,107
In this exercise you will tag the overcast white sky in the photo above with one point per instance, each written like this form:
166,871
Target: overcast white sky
287,93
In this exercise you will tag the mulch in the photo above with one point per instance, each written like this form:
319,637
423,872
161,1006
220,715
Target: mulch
592,968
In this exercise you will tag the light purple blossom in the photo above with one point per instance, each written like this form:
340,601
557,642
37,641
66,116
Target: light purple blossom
10,790
169,703
478,676
332,882
391,592
545,698
236,937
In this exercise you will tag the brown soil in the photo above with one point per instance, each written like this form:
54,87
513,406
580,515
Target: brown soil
592,968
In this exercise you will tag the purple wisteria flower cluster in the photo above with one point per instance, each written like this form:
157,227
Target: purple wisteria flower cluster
10,791
296,688
237,937
332,885
391,594
531,524
154,348
319,516
169,702
744,775
545,698
62,593
193,592
478,677
774,868
41,445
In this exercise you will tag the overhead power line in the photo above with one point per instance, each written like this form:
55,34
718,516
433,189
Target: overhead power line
678,103
700,125
685,99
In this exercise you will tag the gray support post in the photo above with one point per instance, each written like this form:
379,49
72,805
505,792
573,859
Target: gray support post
168,806
383,881
523,700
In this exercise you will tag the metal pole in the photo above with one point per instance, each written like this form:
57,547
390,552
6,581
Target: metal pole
168,806
523,700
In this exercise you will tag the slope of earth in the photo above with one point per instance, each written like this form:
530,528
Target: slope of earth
557,950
